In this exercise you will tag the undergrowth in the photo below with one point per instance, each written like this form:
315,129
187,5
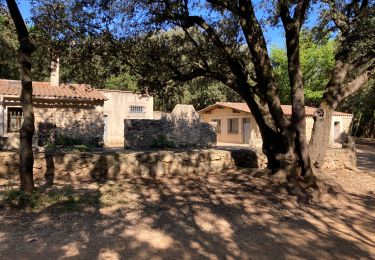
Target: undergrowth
66,199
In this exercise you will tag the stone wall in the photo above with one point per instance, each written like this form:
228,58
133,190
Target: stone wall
78,167
336,158
181,128
83,121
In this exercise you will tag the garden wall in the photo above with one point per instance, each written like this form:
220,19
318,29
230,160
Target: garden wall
181,128
336,158
78,167
81,121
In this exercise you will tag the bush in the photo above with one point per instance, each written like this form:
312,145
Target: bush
66,199
67,140
162,141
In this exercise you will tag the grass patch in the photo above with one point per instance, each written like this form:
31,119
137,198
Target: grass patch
66,199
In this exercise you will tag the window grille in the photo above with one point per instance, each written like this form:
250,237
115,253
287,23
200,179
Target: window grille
137,109
15,119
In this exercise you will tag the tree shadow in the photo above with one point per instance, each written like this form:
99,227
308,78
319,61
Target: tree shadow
206,215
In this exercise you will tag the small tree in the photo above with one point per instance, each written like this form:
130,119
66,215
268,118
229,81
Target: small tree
27,129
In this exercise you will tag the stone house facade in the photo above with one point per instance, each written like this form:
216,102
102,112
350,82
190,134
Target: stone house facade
74,110
235,123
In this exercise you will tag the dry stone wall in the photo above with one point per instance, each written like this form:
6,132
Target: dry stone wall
84,123
78,167
81,167
181,128
336,158
81,121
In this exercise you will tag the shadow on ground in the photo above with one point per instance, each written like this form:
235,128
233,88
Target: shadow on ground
366,155
228,215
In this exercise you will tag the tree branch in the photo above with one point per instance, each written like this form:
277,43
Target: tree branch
232,6
356,83
262,64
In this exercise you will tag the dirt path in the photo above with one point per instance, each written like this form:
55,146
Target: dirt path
366,155
229,215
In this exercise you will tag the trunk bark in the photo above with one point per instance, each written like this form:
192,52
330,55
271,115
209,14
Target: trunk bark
285,163
320,134
282,152
297,96
27,129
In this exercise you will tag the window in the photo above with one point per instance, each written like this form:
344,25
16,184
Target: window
233,125
218,125
137,110
15,119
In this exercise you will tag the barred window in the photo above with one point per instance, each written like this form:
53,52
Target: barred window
15,119
137,109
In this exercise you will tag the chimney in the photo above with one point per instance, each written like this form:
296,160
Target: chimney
55,73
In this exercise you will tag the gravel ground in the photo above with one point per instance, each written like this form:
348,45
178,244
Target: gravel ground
228,215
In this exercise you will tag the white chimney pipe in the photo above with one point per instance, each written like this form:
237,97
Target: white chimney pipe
55,73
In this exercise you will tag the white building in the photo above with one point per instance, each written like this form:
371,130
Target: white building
119,106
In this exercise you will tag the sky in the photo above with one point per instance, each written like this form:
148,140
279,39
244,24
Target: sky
274,36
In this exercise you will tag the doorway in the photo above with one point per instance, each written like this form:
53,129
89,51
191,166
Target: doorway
105,135
246,126
336,132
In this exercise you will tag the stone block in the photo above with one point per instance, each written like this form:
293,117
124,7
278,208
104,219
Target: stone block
245,158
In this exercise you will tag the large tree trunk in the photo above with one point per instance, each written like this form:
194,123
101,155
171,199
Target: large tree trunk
284,160
320,135
27,129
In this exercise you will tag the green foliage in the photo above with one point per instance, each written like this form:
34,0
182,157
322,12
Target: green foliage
67,140
317,61
162,141
67,199
8,48
17,199
123,81
72,144
362,105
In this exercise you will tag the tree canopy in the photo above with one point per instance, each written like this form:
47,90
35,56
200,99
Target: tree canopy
317,61
170,44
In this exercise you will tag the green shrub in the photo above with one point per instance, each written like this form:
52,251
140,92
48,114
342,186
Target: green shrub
65,199
162,141
67,140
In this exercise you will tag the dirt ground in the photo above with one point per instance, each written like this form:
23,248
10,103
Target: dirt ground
227,215
366,155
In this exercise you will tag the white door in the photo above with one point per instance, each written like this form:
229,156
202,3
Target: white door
336,132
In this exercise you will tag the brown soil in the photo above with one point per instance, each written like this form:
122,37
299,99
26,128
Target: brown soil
228,215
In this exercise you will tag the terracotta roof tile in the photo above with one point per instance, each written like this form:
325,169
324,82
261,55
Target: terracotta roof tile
45,90
287,109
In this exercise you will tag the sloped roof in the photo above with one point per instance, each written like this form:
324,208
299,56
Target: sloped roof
45,90
287,109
